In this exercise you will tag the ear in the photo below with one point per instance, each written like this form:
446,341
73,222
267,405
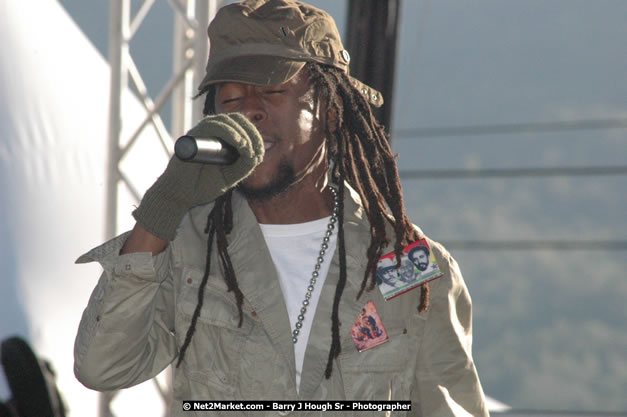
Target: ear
332,120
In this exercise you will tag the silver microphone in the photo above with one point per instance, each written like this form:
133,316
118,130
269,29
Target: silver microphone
205,150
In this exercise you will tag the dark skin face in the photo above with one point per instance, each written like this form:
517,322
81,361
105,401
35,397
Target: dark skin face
289,120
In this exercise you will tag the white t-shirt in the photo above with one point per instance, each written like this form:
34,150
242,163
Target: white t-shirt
295,249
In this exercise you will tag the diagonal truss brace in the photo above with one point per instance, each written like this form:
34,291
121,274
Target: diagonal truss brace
191,18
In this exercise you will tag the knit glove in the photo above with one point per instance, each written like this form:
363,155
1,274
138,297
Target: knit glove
184,185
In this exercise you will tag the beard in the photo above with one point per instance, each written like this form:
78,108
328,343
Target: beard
283,180
422,266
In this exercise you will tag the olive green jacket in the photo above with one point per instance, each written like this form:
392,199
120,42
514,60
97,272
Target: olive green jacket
139,313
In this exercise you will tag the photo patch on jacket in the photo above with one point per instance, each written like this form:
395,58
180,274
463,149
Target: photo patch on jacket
368,331
418,266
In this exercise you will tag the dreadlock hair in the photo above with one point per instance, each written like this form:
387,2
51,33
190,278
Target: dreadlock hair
361,155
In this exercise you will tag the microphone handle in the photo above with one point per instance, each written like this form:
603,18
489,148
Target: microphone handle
213,151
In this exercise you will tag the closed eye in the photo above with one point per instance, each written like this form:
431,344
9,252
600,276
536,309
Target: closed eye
230,100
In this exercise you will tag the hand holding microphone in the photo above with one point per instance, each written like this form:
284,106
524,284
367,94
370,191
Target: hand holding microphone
184,185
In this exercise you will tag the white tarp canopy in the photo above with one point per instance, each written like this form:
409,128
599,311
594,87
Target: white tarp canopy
54,94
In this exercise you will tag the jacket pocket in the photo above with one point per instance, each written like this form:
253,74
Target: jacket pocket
383,372
213,356
388,356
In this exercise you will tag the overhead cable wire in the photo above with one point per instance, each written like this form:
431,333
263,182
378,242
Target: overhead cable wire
439,174
514,128
517,245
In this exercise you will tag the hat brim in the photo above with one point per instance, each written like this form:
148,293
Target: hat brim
265,70
261,70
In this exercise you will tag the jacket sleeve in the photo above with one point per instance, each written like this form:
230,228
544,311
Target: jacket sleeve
446,379
126,332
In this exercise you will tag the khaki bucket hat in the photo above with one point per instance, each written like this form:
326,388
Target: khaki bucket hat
266,42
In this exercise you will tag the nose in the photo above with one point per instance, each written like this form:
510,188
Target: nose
253,110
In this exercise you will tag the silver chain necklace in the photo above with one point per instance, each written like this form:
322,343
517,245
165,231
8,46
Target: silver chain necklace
315,273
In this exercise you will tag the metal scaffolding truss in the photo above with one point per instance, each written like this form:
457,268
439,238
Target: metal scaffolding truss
191,18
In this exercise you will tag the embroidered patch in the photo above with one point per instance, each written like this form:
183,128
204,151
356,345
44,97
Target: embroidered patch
418,266
368,330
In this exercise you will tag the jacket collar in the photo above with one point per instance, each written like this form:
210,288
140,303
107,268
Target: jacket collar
258,280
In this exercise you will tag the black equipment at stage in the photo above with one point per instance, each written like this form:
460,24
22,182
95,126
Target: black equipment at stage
31,381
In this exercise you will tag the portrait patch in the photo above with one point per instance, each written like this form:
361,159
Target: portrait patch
418,266
368,330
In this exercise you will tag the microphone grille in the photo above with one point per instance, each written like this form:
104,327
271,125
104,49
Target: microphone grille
185,148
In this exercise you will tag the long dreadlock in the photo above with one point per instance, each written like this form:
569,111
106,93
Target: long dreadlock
361,155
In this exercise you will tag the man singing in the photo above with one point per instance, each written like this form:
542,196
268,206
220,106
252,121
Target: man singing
249,277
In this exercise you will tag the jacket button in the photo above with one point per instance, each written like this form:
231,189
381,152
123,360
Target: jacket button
254,314
189,280
346,56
